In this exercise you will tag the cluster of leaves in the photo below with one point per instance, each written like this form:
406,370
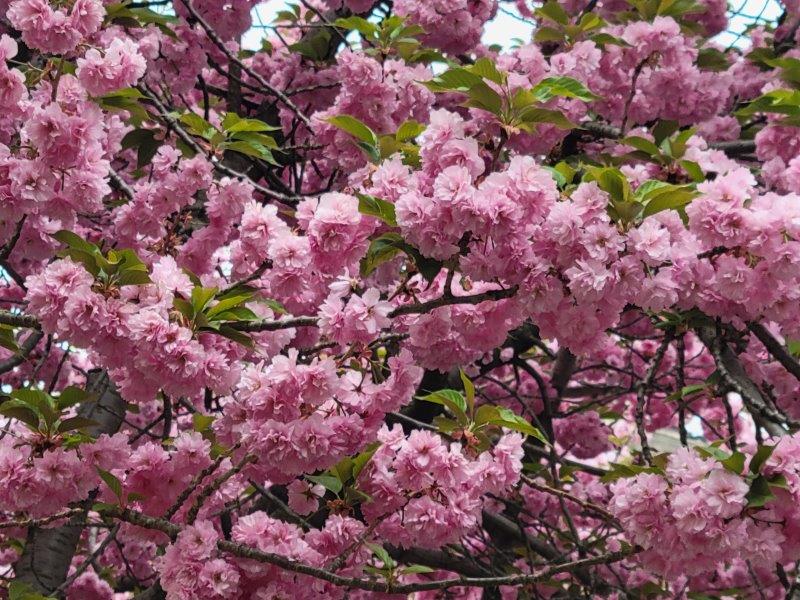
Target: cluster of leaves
45,415
667,149
214,310
130,15
341,479
652,196
113,269
487,88
389,569
781,101
557,27
391,37
378,147
683,11
236,134
475,423
128,100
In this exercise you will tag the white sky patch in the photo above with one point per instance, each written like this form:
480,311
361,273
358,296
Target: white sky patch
509,29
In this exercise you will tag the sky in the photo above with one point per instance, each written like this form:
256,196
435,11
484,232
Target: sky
508,25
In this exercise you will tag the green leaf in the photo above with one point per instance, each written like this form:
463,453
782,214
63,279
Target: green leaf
485,414
711,59
778,481
611,181
457,79
651,188
253,125
734,463
18,590
453,400
664,129
354,127
198,125
361,460
356,23
619,471
7,339
483,97
41,401
552,10
603,38
469,390
415,569
675,198
693,170
19,411
485,67
533,114
687,390
314,47
329,482
127,99
409,130
511,420
185,308
201,296
75,423
201,422
256,139
375,207
446,425
133,278
387,246
381,250
227,303
642,144
760,458
144,140
381,553
73,240
254,149
759,493
677,144
114,484
237,336
562,87
548,34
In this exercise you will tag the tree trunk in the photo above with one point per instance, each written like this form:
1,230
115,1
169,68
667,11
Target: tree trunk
48,552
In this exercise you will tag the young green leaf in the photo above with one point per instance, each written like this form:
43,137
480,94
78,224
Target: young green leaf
376,207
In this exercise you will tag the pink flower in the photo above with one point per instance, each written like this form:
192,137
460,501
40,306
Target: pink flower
119,66
724,492
304,497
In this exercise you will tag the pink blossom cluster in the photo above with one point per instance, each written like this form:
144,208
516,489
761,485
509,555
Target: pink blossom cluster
382,95
424,493
697,504
120,65
299,418
55,30
583,434
157,348
450,26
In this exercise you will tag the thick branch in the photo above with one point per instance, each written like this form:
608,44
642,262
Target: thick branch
18,320
268,88
775,349
283,562
733,373
48,552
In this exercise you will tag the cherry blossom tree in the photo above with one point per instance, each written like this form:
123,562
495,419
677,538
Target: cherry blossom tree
378,311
